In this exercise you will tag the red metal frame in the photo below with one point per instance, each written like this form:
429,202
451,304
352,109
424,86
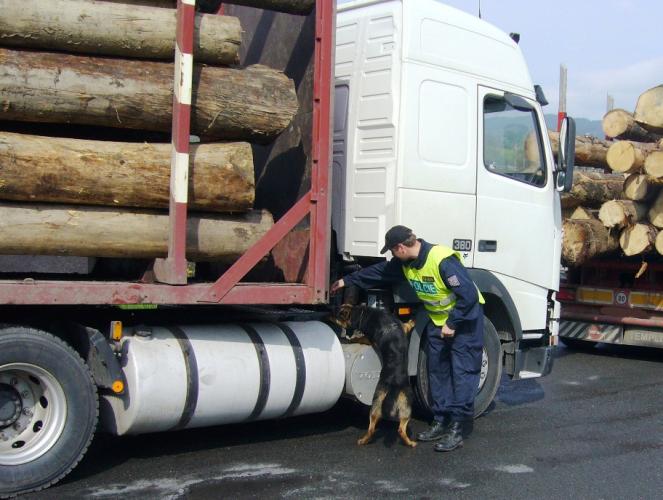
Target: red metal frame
228,290
612,315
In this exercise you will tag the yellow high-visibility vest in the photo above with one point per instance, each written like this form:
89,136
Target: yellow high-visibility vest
429,286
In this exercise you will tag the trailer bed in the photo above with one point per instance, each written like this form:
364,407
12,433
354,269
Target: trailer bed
306,55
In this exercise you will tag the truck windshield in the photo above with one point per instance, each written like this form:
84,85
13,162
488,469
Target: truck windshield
512,142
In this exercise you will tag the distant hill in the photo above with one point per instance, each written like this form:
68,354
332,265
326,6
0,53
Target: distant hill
584,126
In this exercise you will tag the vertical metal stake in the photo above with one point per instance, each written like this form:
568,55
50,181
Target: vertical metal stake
173,269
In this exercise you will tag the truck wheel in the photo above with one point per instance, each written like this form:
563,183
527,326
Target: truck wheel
491,372
48,409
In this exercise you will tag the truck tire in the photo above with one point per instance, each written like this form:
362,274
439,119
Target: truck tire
491,372
48,409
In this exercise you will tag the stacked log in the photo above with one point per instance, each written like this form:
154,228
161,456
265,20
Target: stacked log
110,64
653,165
591,189
590,151
627,157
582,213
120,174
255,103
620,124
301,7
629,200
621,213
106,232
656,212
585,239
638,239
649,110
146,32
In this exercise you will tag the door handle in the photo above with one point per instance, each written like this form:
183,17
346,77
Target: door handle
487,245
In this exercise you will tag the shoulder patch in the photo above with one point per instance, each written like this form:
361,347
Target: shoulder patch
453,280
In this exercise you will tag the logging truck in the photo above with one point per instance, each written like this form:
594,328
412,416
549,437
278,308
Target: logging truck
612,301
611,292
154,281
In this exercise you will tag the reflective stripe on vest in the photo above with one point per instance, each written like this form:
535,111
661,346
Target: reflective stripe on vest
429,286
442,302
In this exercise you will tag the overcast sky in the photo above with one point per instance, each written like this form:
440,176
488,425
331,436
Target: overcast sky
609,46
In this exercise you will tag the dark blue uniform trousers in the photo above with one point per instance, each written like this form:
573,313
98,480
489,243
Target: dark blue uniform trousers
454,366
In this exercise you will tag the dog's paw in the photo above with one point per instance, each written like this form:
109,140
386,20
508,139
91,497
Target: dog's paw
363,441
408,326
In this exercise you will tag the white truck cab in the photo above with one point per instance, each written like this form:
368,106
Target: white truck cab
437,127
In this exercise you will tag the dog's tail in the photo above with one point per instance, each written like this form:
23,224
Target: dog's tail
398,402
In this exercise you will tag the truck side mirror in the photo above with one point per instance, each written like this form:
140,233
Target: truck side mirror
566,155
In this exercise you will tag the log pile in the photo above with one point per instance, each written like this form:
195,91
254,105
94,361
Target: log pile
301,7
619,209
106,65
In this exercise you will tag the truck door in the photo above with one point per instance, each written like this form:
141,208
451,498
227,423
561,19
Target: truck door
516,233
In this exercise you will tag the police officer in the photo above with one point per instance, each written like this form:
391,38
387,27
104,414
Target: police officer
455,332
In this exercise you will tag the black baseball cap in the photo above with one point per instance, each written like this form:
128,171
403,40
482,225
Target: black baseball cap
396,235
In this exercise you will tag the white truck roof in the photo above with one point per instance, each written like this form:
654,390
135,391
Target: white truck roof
449,37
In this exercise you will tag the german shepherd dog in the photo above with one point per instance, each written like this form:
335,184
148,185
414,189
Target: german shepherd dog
393,394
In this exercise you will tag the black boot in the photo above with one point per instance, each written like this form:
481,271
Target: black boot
452,439
435,432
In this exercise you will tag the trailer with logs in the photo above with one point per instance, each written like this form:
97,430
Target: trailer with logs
180,181
613,238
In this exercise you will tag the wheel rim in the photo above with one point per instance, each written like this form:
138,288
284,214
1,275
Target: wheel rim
33,411
484,368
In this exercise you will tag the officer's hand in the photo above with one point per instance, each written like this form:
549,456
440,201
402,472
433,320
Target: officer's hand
337,285
448,332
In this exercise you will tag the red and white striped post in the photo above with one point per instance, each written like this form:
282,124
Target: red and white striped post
173,269
561,114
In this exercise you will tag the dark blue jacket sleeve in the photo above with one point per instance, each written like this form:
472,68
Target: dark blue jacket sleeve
382,273
458,280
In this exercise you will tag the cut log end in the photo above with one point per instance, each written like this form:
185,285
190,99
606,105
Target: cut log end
636,187
623,157
585,239
619,124
656,212
638,239
649,110
659,243
621,213
616,122
654,164
583,213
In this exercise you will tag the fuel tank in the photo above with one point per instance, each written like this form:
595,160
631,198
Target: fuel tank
202,375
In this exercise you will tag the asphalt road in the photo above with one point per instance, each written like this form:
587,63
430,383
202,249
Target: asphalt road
591,429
